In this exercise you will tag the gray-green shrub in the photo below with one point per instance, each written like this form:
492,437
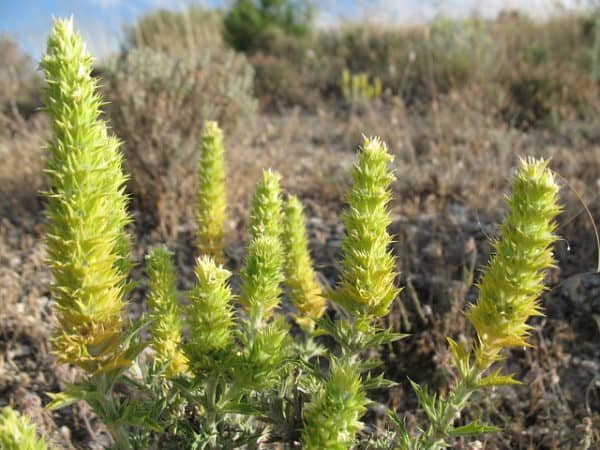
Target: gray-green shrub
157,105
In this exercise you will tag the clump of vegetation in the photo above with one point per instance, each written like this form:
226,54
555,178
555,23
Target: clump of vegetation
241,377
18,433
211,200
356,88
20,85
192,31
248,22
157,104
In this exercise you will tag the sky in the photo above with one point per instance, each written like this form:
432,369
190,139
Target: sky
101,21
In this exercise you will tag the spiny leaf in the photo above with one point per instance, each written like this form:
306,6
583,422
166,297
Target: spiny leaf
472,429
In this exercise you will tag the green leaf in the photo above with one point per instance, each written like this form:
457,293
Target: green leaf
62,399
73,393
461,355
138,415
473,429
495,379
378,382
426,400
399,424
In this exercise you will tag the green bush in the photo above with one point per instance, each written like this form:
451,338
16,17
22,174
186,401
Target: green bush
157,105
193,30
20,85
544,96
248,21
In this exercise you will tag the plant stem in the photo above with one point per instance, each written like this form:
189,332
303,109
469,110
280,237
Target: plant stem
434,438
105,386
120,437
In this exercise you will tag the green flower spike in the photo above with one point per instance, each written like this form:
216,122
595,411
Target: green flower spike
211,201
367,286
18,433
210,313
263,273
164,312
332,418
509,294
514,280
266,215
88,249
304,290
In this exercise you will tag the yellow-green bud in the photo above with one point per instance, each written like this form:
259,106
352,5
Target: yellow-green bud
514,280
368,268
164,312
266,215
332,418
304,289
211,201
209,314
88,249
263,271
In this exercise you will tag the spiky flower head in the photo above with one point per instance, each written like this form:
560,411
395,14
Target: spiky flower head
18,433
367,287
164,312
514,279
262,278
332,418
304,289
211,201
88,249
209,314
267,204
263,271
262,362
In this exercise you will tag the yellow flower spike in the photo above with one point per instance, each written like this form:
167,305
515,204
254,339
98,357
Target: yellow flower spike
266,215
211,202
514,279
88,249
263,271
209,314
164,312
304,289
509,295
368,268
332,418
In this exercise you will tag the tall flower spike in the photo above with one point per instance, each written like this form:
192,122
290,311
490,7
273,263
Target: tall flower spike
18,433
332,418
263,273
164,312
304,289
514,280
88,249
262,278
367,286
209,314
266,214
211,201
